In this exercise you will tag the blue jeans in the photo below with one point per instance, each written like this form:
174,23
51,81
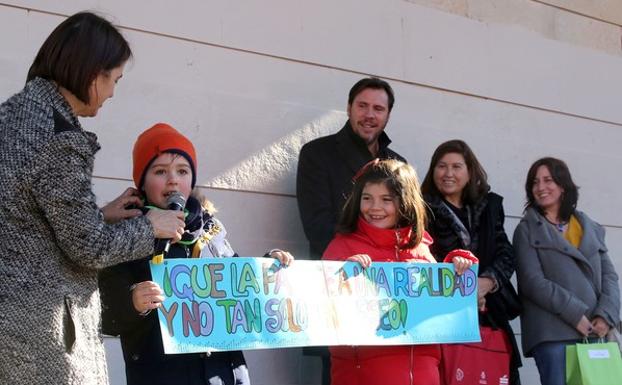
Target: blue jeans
550,359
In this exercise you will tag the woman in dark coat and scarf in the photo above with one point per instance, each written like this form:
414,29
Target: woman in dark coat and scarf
464,214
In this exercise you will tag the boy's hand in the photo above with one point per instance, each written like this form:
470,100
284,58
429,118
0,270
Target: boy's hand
146,296
284,257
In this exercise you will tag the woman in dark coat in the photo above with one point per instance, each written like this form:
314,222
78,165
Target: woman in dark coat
466,215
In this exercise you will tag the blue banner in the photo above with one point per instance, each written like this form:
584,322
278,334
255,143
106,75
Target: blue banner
253,303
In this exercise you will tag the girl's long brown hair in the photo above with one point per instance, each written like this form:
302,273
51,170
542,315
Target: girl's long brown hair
401,180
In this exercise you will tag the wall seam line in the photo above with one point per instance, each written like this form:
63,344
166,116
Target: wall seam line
352,71
284,195
577,13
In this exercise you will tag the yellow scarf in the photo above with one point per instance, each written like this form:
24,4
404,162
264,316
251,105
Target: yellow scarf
574,232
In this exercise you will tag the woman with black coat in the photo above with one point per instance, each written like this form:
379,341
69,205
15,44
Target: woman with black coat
464,214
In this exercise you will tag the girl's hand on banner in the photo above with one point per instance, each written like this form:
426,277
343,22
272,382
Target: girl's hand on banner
363,259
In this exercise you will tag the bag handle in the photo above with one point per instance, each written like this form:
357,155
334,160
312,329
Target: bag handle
600,340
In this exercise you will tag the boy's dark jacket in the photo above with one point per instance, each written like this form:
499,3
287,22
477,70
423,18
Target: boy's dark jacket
140,335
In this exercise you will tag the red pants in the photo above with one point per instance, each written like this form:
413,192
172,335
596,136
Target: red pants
395,365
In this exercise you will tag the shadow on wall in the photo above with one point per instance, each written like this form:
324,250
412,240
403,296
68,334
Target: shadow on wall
273,169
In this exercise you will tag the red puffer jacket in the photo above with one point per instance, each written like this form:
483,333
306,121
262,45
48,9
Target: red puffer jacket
380,365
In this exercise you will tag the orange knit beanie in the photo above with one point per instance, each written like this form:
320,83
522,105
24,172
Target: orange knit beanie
153,142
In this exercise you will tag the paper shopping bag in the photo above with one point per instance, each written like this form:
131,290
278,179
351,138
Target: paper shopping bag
486,362
593,364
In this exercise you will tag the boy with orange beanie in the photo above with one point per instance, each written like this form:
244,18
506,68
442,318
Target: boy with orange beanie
165,165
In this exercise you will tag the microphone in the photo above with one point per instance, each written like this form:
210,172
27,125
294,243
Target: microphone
175,202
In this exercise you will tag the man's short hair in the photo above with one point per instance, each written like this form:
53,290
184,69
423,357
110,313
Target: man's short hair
374,83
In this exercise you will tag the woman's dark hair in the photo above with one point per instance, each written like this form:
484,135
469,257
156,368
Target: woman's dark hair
477,186
373,83
79,49
561,176
401,180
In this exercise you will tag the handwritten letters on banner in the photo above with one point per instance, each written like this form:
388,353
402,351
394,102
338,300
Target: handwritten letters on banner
252,303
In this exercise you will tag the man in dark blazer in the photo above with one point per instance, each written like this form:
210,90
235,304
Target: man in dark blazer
327,165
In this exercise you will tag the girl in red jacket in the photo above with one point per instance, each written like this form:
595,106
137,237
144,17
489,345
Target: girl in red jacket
383,221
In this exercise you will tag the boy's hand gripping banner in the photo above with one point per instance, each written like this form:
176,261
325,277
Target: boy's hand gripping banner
253,303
